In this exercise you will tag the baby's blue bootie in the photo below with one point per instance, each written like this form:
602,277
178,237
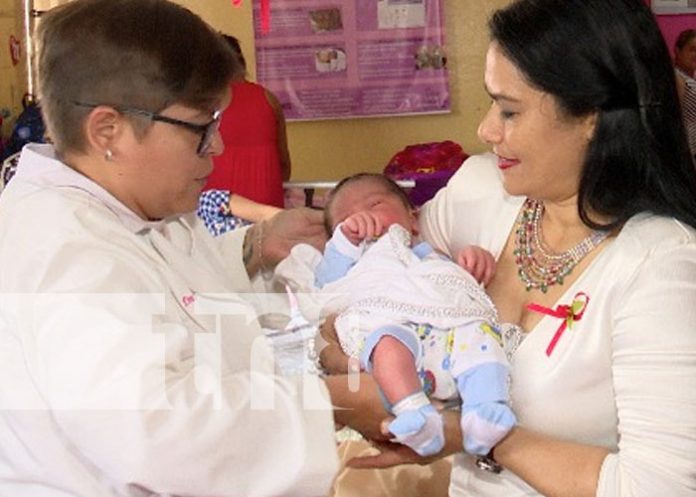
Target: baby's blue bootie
418,425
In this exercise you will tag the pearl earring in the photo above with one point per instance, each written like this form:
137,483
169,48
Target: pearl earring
108,155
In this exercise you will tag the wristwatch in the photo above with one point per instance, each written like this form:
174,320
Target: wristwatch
488,463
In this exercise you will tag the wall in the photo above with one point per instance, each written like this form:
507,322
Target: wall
672,25
12,77
329,150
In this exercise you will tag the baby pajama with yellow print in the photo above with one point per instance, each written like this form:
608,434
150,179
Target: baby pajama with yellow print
464,362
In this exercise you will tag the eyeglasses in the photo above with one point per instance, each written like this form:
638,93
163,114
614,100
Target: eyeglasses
207,131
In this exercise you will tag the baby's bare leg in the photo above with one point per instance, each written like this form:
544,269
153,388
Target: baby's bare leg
393,365
394,369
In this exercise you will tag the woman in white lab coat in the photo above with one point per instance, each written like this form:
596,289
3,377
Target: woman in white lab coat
119,374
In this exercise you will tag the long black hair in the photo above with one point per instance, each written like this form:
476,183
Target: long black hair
609,57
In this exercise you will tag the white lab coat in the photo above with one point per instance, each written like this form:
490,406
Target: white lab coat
115,379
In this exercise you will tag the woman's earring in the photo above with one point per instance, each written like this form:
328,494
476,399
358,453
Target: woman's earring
108,155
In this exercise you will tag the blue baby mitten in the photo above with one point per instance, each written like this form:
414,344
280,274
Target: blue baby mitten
486,415
485,425
418,425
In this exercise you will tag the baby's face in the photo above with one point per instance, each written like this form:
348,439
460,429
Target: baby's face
372,196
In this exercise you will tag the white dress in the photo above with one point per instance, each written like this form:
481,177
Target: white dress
624,376
115,379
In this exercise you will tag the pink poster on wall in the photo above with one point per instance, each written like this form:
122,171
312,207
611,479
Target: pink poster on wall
328,59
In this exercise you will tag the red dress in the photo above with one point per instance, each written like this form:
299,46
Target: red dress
250,164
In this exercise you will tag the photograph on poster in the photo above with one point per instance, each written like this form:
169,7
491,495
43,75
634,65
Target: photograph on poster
354,58
330,60
324,20
674,6
430,57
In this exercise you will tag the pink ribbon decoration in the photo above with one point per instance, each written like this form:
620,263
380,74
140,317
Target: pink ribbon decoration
265,14
568,313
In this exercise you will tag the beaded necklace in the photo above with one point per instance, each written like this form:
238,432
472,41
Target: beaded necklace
537,266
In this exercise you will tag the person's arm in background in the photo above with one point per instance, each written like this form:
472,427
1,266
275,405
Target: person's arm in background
282,139
263,245
250,210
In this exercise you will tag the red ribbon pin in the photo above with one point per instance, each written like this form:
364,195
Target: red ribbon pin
569,314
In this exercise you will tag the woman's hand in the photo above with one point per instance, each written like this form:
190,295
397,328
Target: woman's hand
290,227
390,454
331,356
393,454
268,242
357,404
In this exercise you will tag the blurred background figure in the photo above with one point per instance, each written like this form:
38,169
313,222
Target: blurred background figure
256,159
685,67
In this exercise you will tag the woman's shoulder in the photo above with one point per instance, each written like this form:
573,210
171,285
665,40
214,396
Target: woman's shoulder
478,174
250,104
249,87
45,185
477,188
648,234
75,217
473,208
684,76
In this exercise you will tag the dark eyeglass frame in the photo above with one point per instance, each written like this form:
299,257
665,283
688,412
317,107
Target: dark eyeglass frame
207,131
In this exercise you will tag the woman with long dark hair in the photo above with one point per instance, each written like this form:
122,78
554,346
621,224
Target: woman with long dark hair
588,203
